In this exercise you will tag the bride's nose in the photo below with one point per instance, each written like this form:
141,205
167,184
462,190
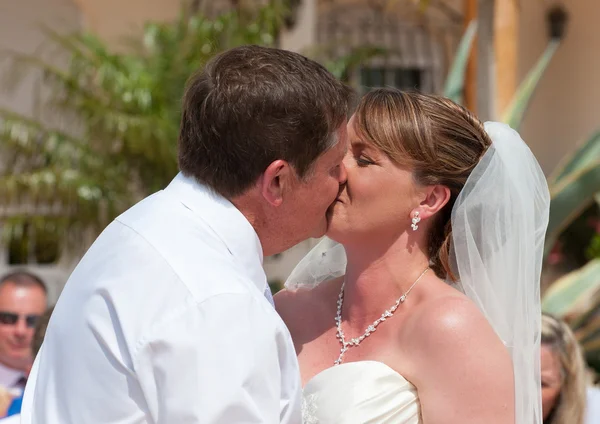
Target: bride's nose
343,175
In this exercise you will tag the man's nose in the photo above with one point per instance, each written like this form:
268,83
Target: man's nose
21,327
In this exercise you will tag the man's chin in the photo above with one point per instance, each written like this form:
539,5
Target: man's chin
329,213
321,230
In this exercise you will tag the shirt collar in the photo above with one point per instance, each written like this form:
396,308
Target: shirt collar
228,223
9,377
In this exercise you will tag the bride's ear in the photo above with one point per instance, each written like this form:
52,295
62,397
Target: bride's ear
436,197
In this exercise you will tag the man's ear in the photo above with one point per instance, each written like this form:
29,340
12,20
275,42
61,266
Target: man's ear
436,197
276,179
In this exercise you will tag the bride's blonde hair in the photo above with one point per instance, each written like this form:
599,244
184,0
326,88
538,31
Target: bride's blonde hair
439,140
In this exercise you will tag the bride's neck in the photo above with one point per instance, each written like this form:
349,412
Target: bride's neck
376,275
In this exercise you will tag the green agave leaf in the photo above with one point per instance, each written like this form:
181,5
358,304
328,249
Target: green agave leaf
579,319
592,349
455,81
577,286
585,154
589,332
569,198
518,106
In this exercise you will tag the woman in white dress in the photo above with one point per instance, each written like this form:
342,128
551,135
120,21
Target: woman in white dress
433,197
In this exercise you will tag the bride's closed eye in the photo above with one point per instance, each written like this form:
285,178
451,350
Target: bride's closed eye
363,154
363,161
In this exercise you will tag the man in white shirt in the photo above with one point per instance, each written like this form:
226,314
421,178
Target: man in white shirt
168,317
22,301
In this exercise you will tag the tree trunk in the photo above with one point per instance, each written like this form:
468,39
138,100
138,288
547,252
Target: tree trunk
485,61
506,48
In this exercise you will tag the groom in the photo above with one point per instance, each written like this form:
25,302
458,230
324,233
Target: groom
168,317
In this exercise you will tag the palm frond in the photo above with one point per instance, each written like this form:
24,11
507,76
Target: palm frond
119,114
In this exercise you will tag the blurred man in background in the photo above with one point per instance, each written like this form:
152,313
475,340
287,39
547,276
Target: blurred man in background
23,299
12,405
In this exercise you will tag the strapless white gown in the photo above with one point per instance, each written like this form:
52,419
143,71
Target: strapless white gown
358,393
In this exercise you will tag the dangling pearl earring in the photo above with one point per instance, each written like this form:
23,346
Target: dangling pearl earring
415,221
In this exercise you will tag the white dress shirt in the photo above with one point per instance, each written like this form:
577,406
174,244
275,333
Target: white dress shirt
165,321
13,419
11,378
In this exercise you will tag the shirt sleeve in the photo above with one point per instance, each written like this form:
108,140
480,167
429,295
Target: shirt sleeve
224,360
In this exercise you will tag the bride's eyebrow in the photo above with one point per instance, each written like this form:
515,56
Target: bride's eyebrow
359,144
363,146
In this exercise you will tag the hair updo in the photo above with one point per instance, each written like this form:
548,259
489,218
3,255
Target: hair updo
439,140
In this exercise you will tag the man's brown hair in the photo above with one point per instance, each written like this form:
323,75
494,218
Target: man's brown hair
253,105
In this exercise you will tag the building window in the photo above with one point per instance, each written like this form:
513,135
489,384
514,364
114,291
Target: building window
408,79
417,52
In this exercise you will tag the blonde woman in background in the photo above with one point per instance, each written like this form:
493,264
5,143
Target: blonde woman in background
563,374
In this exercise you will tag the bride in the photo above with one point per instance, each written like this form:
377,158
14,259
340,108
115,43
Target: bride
429,308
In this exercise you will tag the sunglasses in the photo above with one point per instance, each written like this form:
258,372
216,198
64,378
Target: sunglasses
10,318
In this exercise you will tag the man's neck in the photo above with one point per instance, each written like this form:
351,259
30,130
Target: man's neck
269,224
252,211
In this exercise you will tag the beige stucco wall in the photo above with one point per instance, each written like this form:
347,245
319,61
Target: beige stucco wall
566,108
21,31
114,19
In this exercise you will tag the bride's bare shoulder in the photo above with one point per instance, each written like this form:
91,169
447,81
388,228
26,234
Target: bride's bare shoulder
453,315
451,329
457,362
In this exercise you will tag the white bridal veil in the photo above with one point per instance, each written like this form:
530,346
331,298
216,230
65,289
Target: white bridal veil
499,222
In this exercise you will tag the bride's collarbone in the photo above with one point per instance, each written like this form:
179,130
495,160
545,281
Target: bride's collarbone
380,346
